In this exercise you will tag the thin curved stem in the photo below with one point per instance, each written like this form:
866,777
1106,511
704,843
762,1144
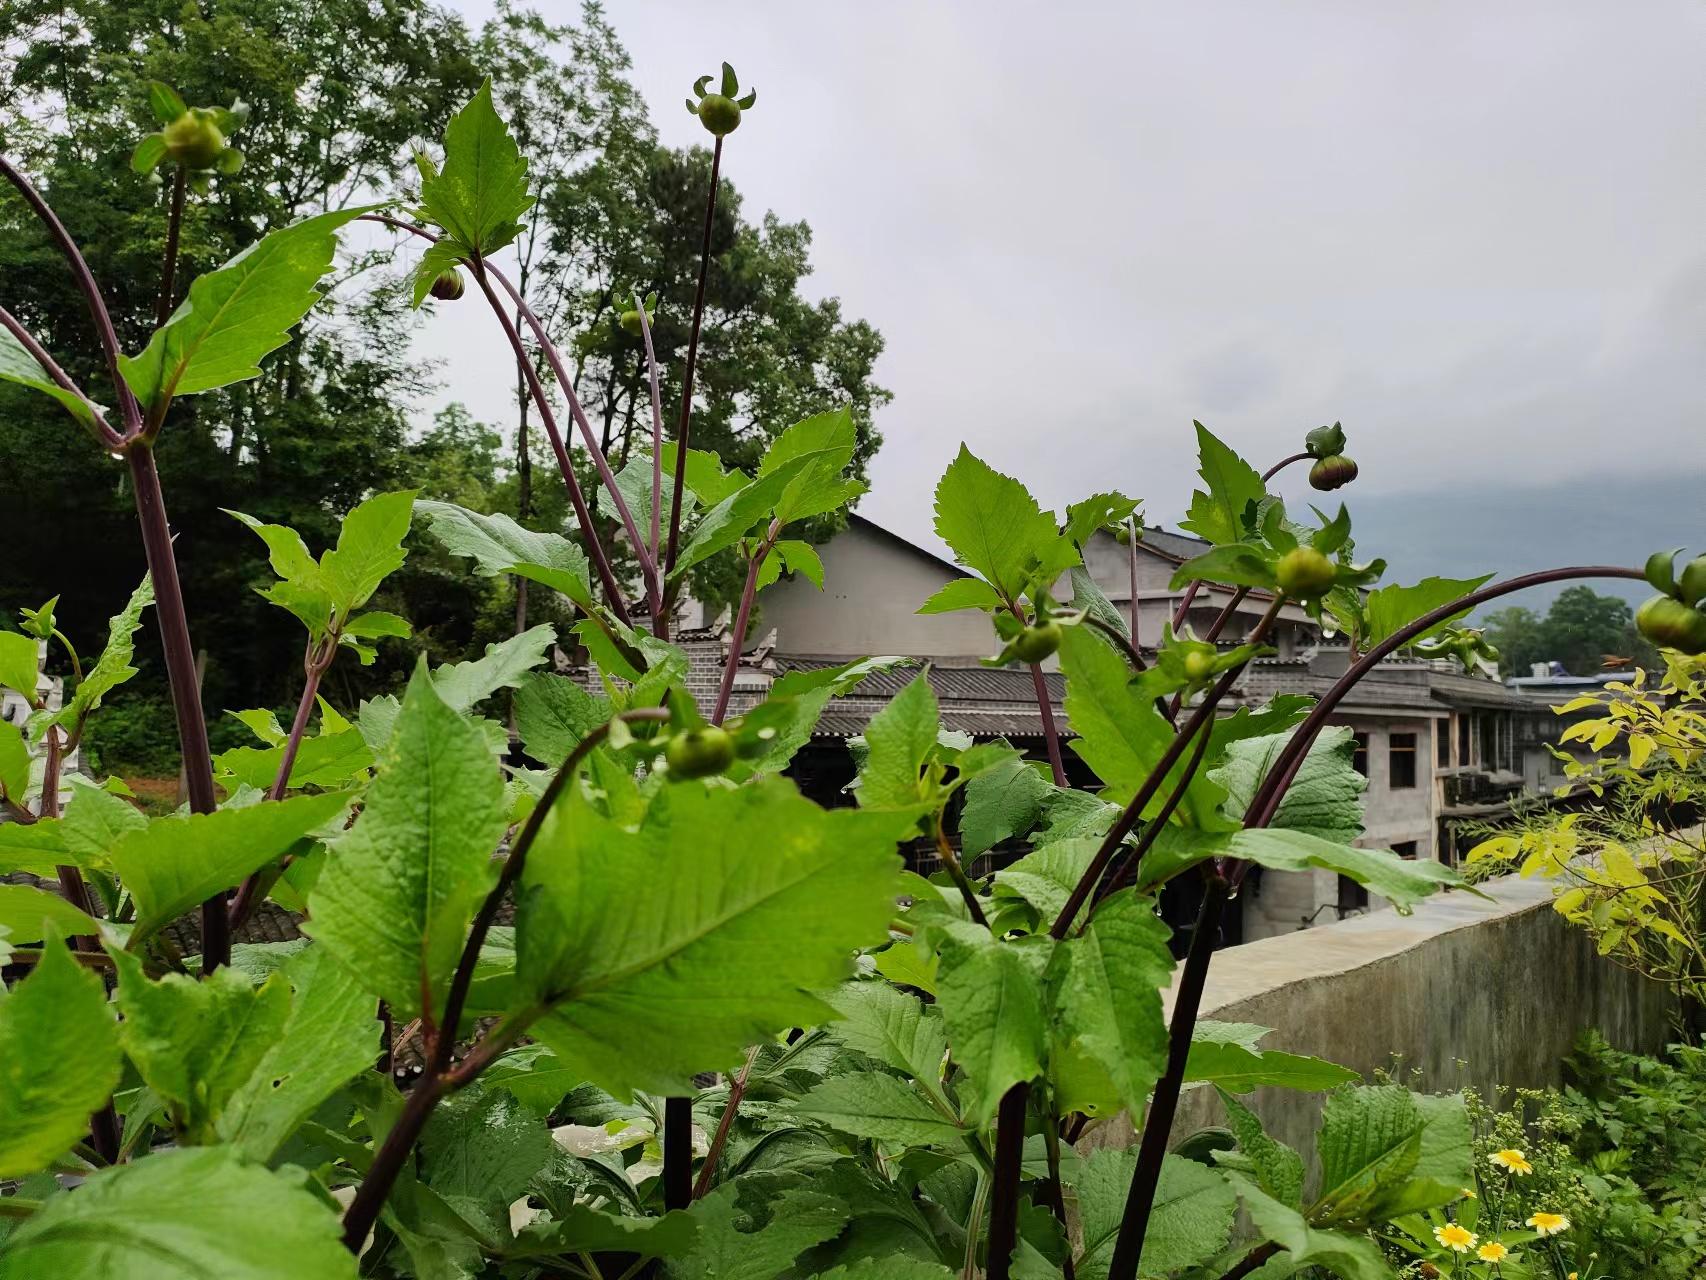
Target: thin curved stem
130,413
683,426
108,438
1282,464
1153,828
743,618
713,1153
1131,570
169,268
1051,735
657,429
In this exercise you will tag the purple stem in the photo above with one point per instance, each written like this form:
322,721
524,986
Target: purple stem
1004,1188
106,435
1051,735
169,271
657,429
743,615
1131,568
1153,828
1282,464
683,427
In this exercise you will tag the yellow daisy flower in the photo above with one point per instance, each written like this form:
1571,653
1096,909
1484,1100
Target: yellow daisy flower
1469,1194
1457,1239
1549,1224
1492,1251
1512,1160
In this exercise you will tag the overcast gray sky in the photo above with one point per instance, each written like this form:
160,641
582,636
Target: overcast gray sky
1475,233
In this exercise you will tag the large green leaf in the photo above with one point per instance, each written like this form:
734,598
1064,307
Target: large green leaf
482,1147
800,1218
1232,485
990,992
736,515
482,188
1001,804
900,738
1324,799
20,663
59,1063
992,522
113,667
496,544
873,1104
1109,1040
1350,1257
174,863
18,365
395,901
27,913
236,315
1386,1152
1044,878
1189,1220
962,593
897,1029
14,764
1389,609
95,820
585,1230
1277,1169
1402,881
501,666
194,1043
1238,1067
553,714
330,1037
191,1214
734,904
1122,736
370,548
826,442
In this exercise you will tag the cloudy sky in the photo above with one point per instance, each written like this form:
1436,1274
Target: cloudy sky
1474,233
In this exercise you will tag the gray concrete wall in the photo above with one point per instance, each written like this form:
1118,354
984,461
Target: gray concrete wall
1465,991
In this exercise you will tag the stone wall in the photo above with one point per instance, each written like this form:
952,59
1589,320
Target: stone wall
1468,992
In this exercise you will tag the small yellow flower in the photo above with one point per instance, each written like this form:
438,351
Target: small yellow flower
1456,1238
1469,1194
1492,1251
1549,1224
1512,1160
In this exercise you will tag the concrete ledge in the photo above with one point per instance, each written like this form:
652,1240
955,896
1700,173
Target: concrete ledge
1465,992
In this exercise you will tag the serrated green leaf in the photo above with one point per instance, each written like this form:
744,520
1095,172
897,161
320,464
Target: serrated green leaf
1189,1221
1324,799
736,515
895,1028
962,593
14,764
191,1214
1389,609
19,366
1239,564
1232,485
496,544
28,913
734,903
176,862
237,314
482,188
195,1042
1402,881
900,738
1277,1168
330,1037
801,1218
483,1147
113,667
553,714
20,663
326,760
395,902
1004,803
992,522
794,556
437,259
991,995
36,847
1099,511
370,548
59,1063
706,478
502,666
885,1108
1346,1256
1108,1038
824,443
585,1230
1238,1068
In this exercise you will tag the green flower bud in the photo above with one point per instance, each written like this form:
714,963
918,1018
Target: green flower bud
699,753
448,286
1671,624
1037,642
1305,574
194,140
1325,442
1332,472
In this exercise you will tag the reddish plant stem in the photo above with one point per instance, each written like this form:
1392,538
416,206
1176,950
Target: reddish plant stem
1282,464
713,1154
1153,828
1158,1124
441,1077
130,413
1200,718
1213,634
1185,605
1054,1190
1004,1185
1252,1260
683,426
565,464
169,271
1051,735
657,429
1131,569
743,617
174,627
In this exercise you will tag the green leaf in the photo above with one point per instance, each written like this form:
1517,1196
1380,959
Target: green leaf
897,1029
885,1108
1402,881
497,544
900,738
1189,1220
59,1063
195,1042
1238,1068
35,847
482,189
463,684
1385,1152
395,902
329,1038
553,714
14,764
837,681
1219,514
20,663
482,1146
706,479
326,760
191,1214
794,556
1109,1038
1238,564
113,667
991,996
237,314
1099,511
1389,609
1349,1257
1120,733
992,522
823,444
737,904
962,593
800,1219
18,365
736,515
165,102
175,863
370,548
96,820
1001,804
1045,877
1277,1168
27,914
438,258
1324,799
585,1230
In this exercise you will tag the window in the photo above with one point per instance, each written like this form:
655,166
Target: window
1401,760
1463,760
1405,848
1442,741
1359,753
1352,897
